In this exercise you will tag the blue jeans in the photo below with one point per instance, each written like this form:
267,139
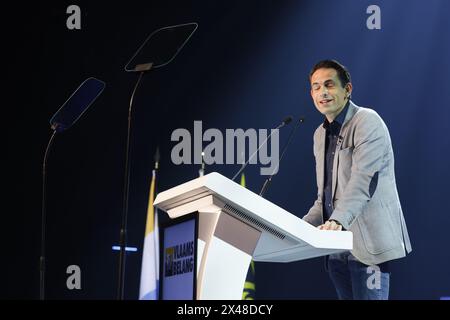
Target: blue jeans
354,280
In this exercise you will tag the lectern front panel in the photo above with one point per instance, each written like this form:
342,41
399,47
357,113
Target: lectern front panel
179,258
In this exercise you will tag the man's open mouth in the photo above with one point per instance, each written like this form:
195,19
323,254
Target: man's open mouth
324,101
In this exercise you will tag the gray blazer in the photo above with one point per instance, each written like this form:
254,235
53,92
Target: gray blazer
364,191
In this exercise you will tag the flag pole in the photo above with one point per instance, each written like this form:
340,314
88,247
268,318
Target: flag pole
150,263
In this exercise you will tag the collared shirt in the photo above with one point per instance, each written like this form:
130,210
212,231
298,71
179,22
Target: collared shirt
331,138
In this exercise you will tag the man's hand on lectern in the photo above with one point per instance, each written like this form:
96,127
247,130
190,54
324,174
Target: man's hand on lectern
331,225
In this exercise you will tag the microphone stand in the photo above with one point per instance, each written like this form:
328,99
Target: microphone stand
269,179
43,218
285,122
126,189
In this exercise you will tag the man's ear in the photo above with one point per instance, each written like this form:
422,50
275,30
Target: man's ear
349,89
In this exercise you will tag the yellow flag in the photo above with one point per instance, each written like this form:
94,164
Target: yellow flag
150,255
249,285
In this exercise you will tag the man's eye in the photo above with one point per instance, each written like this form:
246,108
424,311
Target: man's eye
315,87
330,85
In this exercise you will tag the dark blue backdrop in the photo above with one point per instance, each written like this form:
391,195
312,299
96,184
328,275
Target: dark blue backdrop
245,67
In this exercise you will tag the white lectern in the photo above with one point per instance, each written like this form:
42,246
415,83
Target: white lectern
235,225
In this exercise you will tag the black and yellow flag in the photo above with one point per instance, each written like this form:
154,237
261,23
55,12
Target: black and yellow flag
249,286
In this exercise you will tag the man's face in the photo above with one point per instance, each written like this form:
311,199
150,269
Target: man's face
328,95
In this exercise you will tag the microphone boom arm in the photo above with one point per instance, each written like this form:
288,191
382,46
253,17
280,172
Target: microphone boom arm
269,179
286,121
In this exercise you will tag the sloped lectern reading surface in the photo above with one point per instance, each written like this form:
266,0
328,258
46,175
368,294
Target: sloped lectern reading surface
236,225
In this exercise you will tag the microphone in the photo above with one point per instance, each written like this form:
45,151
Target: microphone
285,122
62,120
291,135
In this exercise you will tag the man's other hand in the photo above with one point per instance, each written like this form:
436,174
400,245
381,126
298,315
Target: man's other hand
331,225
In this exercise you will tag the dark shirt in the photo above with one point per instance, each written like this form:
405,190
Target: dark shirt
331,138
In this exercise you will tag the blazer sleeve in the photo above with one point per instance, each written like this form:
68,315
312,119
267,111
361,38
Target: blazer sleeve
368,157
315,214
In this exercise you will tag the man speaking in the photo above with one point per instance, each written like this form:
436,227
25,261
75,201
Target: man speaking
356,187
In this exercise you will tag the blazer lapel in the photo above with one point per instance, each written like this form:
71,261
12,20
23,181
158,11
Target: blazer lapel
335,163
352,108
320,154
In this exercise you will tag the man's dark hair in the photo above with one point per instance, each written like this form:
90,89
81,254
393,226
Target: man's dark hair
343,74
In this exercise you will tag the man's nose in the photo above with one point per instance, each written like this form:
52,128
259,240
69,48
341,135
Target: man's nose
324,92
